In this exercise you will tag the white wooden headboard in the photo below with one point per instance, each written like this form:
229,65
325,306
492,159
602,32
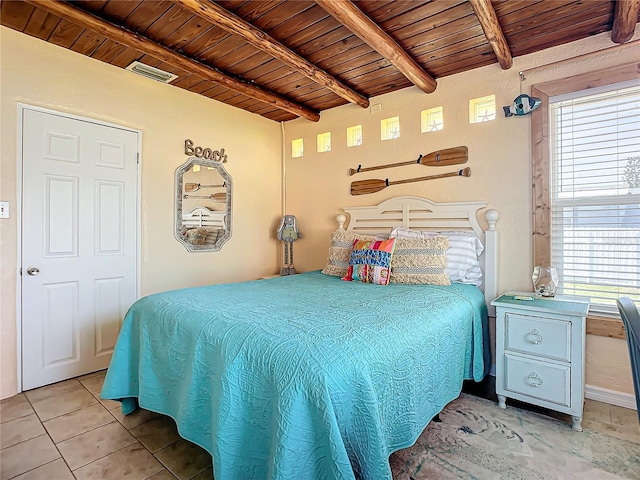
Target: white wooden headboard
419,213
204,217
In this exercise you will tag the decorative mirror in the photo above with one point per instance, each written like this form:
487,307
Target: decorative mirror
203,205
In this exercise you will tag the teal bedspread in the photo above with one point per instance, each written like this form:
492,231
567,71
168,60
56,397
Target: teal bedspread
300,377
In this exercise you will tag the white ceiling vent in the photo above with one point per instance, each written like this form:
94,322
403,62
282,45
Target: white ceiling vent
151,72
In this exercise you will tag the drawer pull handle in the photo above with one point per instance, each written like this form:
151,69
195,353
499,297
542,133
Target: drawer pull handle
534,380
534,337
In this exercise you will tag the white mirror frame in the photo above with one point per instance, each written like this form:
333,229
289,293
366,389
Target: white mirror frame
180,171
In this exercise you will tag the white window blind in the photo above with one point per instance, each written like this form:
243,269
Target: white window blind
595,194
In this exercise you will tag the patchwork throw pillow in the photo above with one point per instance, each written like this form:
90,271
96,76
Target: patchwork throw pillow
420,261
370,261
340,252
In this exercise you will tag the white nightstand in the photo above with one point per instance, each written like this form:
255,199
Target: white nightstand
540,355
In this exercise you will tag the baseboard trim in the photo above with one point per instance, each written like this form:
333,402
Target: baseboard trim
613,397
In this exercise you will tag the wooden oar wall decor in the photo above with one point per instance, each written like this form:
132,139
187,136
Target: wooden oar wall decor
364,187
439,158
216,197
194,187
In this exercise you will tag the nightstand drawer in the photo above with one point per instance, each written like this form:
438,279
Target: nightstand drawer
538,336
542,380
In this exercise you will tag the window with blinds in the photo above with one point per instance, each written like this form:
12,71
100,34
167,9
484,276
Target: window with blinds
595,193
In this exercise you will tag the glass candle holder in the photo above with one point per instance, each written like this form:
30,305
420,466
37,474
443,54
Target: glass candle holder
545,281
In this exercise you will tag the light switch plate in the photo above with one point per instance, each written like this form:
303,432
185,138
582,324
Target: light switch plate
4,209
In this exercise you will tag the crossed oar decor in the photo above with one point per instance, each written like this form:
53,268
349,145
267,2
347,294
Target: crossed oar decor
449,156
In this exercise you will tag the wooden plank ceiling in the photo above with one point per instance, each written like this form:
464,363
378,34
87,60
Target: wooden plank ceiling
288,58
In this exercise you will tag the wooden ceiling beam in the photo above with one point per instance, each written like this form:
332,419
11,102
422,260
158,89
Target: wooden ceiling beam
230,22
369,32
493,31
624,20
149,47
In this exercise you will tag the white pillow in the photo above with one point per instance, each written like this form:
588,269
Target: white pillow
463,264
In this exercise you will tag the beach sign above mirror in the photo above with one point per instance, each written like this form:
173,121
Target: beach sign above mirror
200,152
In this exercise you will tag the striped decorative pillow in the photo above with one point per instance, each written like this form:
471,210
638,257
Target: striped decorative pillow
420,260
463,264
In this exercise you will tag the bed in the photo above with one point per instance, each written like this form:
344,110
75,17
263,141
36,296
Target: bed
308,376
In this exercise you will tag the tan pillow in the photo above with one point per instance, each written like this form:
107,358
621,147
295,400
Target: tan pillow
340,251
420,260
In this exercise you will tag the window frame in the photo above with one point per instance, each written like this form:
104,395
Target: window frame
325,138
540,164
385,126
426,114
295,151
476,103
352,137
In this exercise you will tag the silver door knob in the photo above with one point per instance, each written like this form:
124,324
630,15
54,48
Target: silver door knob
33,271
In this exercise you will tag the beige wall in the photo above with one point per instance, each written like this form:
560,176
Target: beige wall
38,73
499,156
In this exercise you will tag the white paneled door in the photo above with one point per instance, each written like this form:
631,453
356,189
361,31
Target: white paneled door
79,242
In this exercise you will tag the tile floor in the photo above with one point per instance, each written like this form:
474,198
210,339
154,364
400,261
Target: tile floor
65,432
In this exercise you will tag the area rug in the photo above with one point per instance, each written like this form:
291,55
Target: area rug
477,440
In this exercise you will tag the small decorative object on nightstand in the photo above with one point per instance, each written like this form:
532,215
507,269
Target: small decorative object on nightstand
545,281
540,354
